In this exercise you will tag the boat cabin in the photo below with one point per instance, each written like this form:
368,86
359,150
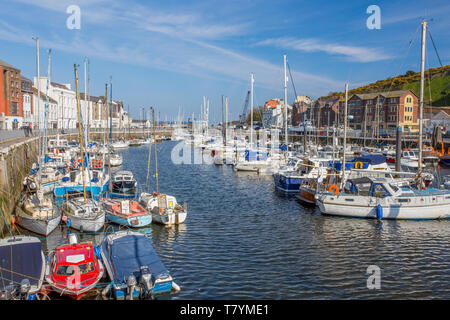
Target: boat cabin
123,176
364,186
75,266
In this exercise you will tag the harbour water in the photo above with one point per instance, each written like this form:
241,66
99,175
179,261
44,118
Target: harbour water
243,240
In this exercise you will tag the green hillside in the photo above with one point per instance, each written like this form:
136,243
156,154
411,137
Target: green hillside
440,85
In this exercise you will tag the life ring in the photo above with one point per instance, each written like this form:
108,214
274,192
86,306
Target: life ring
358,164
335,188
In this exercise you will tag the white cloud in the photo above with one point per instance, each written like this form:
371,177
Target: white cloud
358,54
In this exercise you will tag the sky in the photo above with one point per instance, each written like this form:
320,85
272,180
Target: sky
169,54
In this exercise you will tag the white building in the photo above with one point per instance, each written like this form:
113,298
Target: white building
49,106
66,112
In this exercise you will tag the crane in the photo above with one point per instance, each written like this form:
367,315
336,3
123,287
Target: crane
243,116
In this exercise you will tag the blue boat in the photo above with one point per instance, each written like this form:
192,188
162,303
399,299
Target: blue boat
22,268
127,213
123,185
290,179
72,183
134,267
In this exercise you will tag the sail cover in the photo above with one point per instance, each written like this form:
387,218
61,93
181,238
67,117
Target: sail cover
128,253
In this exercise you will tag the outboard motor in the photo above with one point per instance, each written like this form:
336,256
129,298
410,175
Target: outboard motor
73,238
131,284
8,292
24,288
145,279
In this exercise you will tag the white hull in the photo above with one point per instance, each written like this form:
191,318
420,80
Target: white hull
252,166
36,225
89,225
170,218
390,211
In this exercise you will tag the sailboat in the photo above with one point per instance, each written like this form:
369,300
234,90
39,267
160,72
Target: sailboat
82,213
36,211
377,197
163,208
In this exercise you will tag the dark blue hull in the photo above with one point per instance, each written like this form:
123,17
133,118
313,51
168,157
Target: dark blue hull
285,183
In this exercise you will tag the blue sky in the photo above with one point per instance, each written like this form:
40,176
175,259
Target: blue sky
169,54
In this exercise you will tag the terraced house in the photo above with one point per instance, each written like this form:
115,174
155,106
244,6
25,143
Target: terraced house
11,111
382,112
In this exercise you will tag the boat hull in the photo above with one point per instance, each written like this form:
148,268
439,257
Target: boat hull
307,196
36,225
287,184
84,224
439,211
170,218
134,221
96,191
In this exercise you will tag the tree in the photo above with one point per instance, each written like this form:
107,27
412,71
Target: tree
409,73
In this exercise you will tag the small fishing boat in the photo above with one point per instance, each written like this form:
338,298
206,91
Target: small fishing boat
135,143
164,208
74,269
409,160
134,267
83,214
115,160
307,191
124,185
127,213
37,213
119,145
47,179
22,266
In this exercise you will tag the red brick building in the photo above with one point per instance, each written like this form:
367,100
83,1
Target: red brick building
11,111
383,110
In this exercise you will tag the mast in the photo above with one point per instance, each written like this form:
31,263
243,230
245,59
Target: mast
85,100
285,105
345,136
226,120
38,104
156,152
79,131
110,108
365,125
251,109
148,164
44,136
422,79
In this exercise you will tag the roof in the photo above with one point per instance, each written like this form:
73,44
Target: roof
59,85
43,97
4,64
386,94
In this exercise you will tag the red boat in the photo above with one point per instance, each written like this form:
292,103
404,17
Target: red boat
73,269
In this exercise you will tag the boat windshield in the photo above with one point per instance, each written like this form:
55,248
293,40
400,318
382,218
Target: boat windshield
86,267
395,188
65,270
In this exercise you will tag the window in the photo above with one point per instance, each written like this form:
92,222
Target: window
86,267
14,109
65,270
379,191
